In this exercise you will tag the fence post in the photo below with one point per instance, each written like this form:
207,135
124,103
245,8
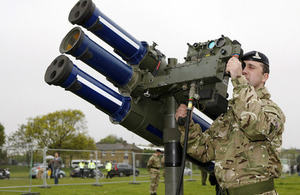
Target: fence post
45,173
96,175
191,167
31,161
133,167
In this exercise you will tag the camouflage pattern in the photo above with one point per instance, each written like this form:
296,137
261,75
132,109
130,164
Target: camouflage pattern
154,162
245,141
270,193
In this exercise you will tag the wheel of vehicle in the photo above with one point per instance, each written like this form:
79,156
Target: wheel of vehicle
137,173
61,175
121,174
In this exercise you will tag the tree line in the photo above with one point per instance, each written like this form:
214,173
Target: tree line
65,129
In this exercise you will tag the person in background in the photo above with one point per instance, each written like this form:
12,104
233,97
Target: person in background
204,177
81,168
108,168
91,167
49,169
56,164
153,166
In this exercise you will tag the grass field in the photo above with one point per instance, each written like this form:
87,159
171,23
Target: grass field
289,185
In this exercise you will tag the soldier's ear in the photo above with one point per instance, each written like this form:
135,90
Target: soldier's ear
265,77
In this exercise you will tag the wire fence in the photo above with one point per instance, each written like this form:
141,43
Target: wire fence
21,169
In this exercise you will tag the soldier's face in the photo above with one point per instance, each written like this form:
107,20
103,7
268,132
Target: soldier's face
254,74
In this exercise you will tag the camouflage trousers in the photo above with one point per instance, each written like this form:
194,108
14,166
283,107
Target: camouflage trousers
154,180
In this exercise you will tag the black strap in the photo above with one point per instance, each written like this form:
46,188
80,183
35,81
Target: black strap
255,188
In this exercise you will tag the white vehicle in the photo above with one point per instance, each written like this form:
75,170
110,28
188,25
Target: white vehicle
285,168
187,171
75,163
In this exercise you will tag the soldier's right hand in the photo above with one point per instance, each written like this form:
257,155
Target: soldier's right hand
181,112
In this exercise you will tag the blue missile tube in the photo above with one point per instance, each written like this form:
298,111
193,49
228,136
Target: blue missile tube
62,72
86,14
79,45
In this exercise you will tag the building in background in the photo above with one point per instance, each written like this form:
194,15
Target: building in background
118,153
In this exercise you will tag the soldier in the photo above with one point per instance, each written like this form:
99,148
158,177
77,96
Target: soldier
203,177
244,142
153,166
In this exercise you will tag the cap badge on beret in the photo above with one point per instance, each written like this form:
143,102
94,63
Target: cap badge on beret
256,56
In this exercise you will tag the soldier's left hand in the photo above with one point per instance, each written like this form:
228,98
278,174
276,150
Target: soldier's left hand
234,66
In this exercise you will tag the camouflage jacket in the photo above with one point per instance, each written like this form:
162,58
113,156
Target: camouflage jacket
245,141
154,162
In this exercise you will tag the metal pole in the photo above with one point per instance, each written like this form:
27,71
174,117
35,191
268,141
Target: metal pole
97,176
173,150
191,176
45,172
191,167
133,167
31,161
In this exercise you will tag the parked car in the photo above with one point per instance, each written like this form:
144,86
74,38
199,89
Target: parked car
86,173
4,173
35,170
122,169
187,171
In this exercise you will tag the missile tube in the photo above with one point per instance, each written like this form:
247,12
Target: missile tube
86,14
62,72
79,45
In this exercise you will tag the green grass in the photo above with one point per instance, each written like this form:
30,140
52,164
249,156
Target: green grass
289,185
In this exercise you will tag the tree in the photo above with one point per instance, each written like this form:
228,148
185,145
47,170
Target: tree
64,129
2,135
112,139
19,139
58,130
291,155
2,141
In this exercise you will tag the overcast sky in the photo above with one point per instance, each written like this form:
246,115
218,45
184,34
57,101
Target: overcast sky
31,32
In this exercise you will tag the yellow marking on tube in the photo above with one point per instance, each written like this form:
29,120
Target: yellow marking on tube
76,36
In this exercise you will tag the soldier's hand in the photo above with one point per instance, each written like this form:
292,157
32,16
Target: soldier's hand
234,67
181,111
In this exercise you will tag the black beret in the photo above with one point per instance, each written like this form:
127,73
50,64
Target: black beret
256,56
